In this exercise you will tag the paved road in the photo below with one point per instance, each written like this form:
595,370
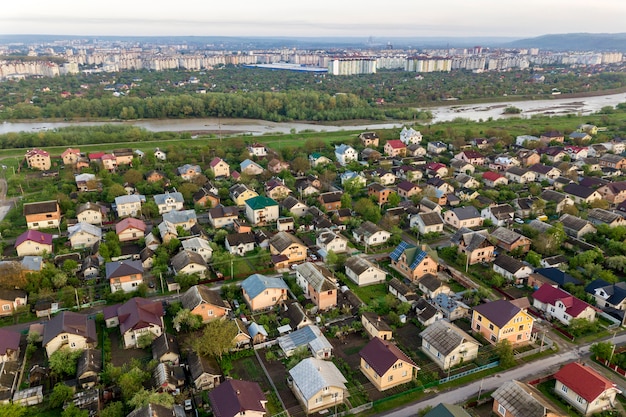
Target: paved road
540,367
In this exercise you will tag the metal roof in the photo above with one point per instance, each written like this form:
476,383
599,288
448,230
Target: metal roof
312,375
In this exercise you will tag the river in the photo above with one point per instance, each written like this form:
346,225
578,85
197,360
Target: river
475,112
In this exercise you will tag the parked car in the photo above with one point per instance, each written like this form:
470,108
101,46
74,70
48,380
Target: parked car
188,405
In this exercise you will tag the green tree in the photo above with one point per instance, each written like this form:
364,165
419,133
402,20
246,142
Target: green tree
144,397
145,340
187,281
63,361
60,394
602,350
217,338
505,354
533,258
114,409
368,210
13,410
115,190
133,176
131,381
186,320
581,326
394,200
73,411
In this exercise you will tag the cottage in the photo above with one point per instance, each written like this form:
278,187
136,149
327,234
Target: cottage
344,154
450,308
239,193
561,305
88,368
235,398
124,275
84,235
575,226
91,213
608,296
432,286
169,201
318,284
33,242
261,292
330,201
413,262
129,205
395,147
219,168
69,330
599,216
375,326
130,229
499,215
317,384
240,243
369,139
42,215
165,349
581,194
222,216
328,240
309,337
511,268
510,240
585,389
517,399
9,345
136,318
461,217
426,313
187,262
205,371
500,320
519,175
447,345
385,365
428,222
286,249
38,159
475,245
363,272
370,234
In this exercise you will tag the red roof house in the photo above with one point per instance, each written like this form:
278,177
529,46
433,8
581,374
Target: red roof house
559,304
584,388
33,242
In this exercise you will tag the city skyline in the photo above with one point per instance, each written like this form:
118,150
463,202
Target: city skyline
398,18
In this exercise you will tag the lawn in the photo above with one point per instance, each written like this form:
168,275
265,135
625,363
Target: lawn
547,388
368,293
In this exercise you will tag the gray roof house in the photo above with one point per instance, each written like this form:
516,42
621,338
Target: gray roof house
310,337
312,378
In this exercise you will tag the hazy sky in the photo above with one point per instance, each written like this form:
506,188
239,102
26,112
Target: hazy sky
393,18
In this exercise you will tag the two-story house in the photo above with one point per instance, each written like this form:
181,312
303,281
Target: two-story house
42,215
318,284
129,205
385,365
124,275
69,330
261,210
502,320
447,345
204,302
561,305
460,217
413,262
261,292
286,250
38,159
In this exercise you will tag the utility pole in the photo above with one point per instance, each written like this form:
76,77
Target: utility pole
480,390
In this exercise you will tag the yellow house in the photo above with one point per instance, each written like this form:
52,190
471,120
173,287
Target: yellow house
239,193
219,167
38,159
385,365
69,330
286,249
502,320
375,326
261,292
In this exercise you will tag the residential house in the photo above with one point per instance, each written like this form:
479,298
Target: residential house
130,229
285,224
379,193
222,216
436,147
169,201
200,246
91,213
294,206
447,345
275,188
186,219
499,215
276,166
613,192
552,276
376,326
519,175
136,317
450,308
370,234
38,159
545,172
129,205
87,182
410,136
188,172
502,320
561,305
413,262
124,275
559,200
9,345
428,222
363,272
369,139
316,159
317,384
69,330
219,168
355,179
205,371
585,389
466,181
395,147
250,167
33,242
330,201
235,398
309,337
318,284
344,154
554,154
575,226
70,156
527,206
240,243
239,193
462,167
599,216
11,299
385,365
88,368
206,197
160,155
552,136
401,291
123,156
257,333
258,150
165,349
42,215
426,313
242,339
517,399
156,176
204,302
528,157
187,262
510,240
436,169
84,235
261,210
407,189
608,296
471,157
461,217
261,292
474,244
511,268
447,410
432,286
286,249
525,140
579,137
581,194
427,205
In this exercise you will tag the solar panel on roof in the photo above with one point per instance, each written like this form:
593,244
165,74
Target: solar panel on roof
397,252
418,258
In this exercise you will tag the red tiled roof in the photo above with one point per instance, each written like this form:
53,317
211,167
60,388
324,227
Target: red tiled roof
548,294
583,380
381,355
492,176
69,151
130,222
96,155
473,154
36,151
435,166
396,144
35,236
215,161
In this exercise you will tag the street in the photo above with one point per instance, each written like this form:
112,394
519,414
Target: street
534,369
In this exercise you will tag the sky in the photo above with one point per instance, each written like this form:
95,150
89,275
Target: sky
318,18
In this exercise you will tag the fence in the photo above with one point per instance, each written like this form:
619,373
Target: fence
470,372
266,344
354,410
410,391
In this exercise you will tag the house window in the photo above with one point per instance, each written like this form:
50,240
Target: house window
480,318
519,337
490,326
520,328
493,338
404,374
6,307
478,327
501,410
64,337
580,399
390,378
273,298
73,344
564,389
210,312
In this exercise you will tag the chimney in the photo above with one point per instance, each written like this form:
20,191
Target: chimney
424,247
